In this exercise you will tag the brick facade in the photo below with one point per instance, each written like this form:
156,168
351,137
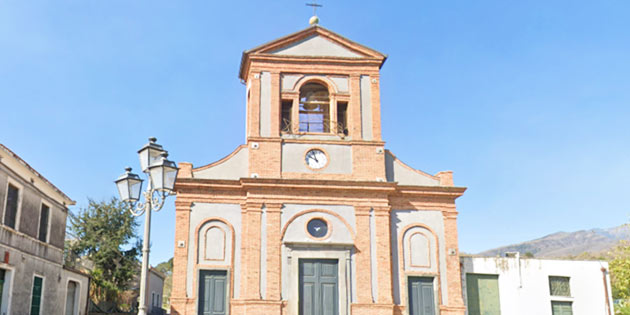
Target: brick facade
379,194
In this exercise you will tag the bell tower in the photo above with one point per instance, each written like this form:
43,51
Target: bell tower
313,108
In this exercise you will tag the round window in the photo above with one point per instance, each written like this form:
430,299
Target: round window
318,228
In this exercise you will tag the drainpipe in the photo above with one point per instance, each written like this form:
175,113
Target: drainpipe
604,272
517,255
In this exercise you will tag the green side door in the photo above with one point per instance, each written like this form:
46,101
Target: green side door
212,292
319,293
483,294
36,297
2,275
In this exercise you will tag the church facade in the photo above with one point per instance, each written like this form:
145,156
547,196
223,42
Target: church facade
312,215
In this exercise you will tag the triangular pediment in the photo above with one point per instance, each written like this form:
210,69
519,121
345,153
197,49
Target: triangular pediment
317,46
315,42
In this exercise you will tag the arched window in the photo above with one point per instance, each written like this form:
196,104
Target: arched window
314,108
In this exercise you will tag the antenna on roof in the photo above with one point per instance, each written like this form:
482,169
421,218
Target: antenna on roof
314,20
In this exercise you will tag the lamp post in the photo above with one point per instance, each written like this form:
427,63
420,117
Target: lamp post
161,173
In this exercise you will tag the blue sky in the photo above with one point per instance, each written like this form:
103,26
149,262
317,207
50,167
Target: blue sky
527,102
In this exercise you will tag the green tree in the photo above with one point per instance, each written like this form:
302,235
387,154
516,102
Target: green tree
104,234
620,271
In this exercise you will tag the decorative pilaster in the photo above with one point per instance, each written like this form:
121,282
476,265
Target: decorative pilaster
253,105
375,94
354,107
180,257
250,250
363,259
453,273
275,103
383,254
273,251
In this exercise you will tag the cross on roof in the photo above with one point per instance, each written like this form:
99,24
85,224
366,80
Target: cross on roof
315,6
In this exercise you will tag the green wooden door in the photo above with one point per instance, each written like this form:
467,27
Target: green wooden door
36,297
421,298
212,292
561,308
483,294
319,293
2,275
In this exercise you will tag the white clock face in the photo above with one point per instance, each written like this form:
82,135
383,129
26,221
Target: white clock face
316,159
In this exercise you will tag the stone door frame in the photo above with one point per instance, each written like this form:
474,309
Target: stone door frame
297,252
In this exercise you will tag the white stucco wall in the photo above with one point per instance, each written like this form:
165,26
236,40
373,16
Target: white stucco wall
524,284
316,46
235,167
339,158
397,171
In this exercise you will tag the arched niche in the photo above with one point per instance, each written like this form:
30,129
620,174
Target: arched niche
419,246
215,239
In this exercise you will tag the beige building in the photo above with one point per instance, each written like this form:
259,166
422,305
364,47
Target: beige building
312,215
33,214
155,292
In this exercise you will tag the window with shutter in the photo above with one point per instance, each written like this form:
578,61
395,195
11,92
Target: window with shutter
11,207
559,286
43,223
561,308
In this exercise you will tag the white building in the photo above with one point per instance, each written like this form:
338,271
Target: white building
521,286
155,285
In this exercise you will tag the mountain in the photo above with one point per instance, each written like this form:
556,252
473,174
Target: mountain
563,244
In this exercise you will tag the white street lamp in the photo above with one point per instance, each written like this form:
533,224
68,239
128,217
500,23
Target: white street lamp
162,174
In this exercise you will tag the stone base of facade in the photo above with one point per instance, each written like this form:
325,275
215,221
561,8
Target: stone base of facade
452,310
256,307
182,306
372,309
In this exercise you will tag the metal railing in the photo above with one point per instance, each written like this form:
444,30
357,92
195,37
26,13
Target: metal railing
335,128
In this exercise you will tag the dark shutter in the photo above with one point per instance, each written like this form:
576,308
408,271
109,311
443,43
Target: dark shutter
43,223
12,205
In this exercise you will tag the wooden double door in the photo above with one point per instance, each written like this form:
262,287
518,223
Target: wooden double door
421,296
212,292
319,287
